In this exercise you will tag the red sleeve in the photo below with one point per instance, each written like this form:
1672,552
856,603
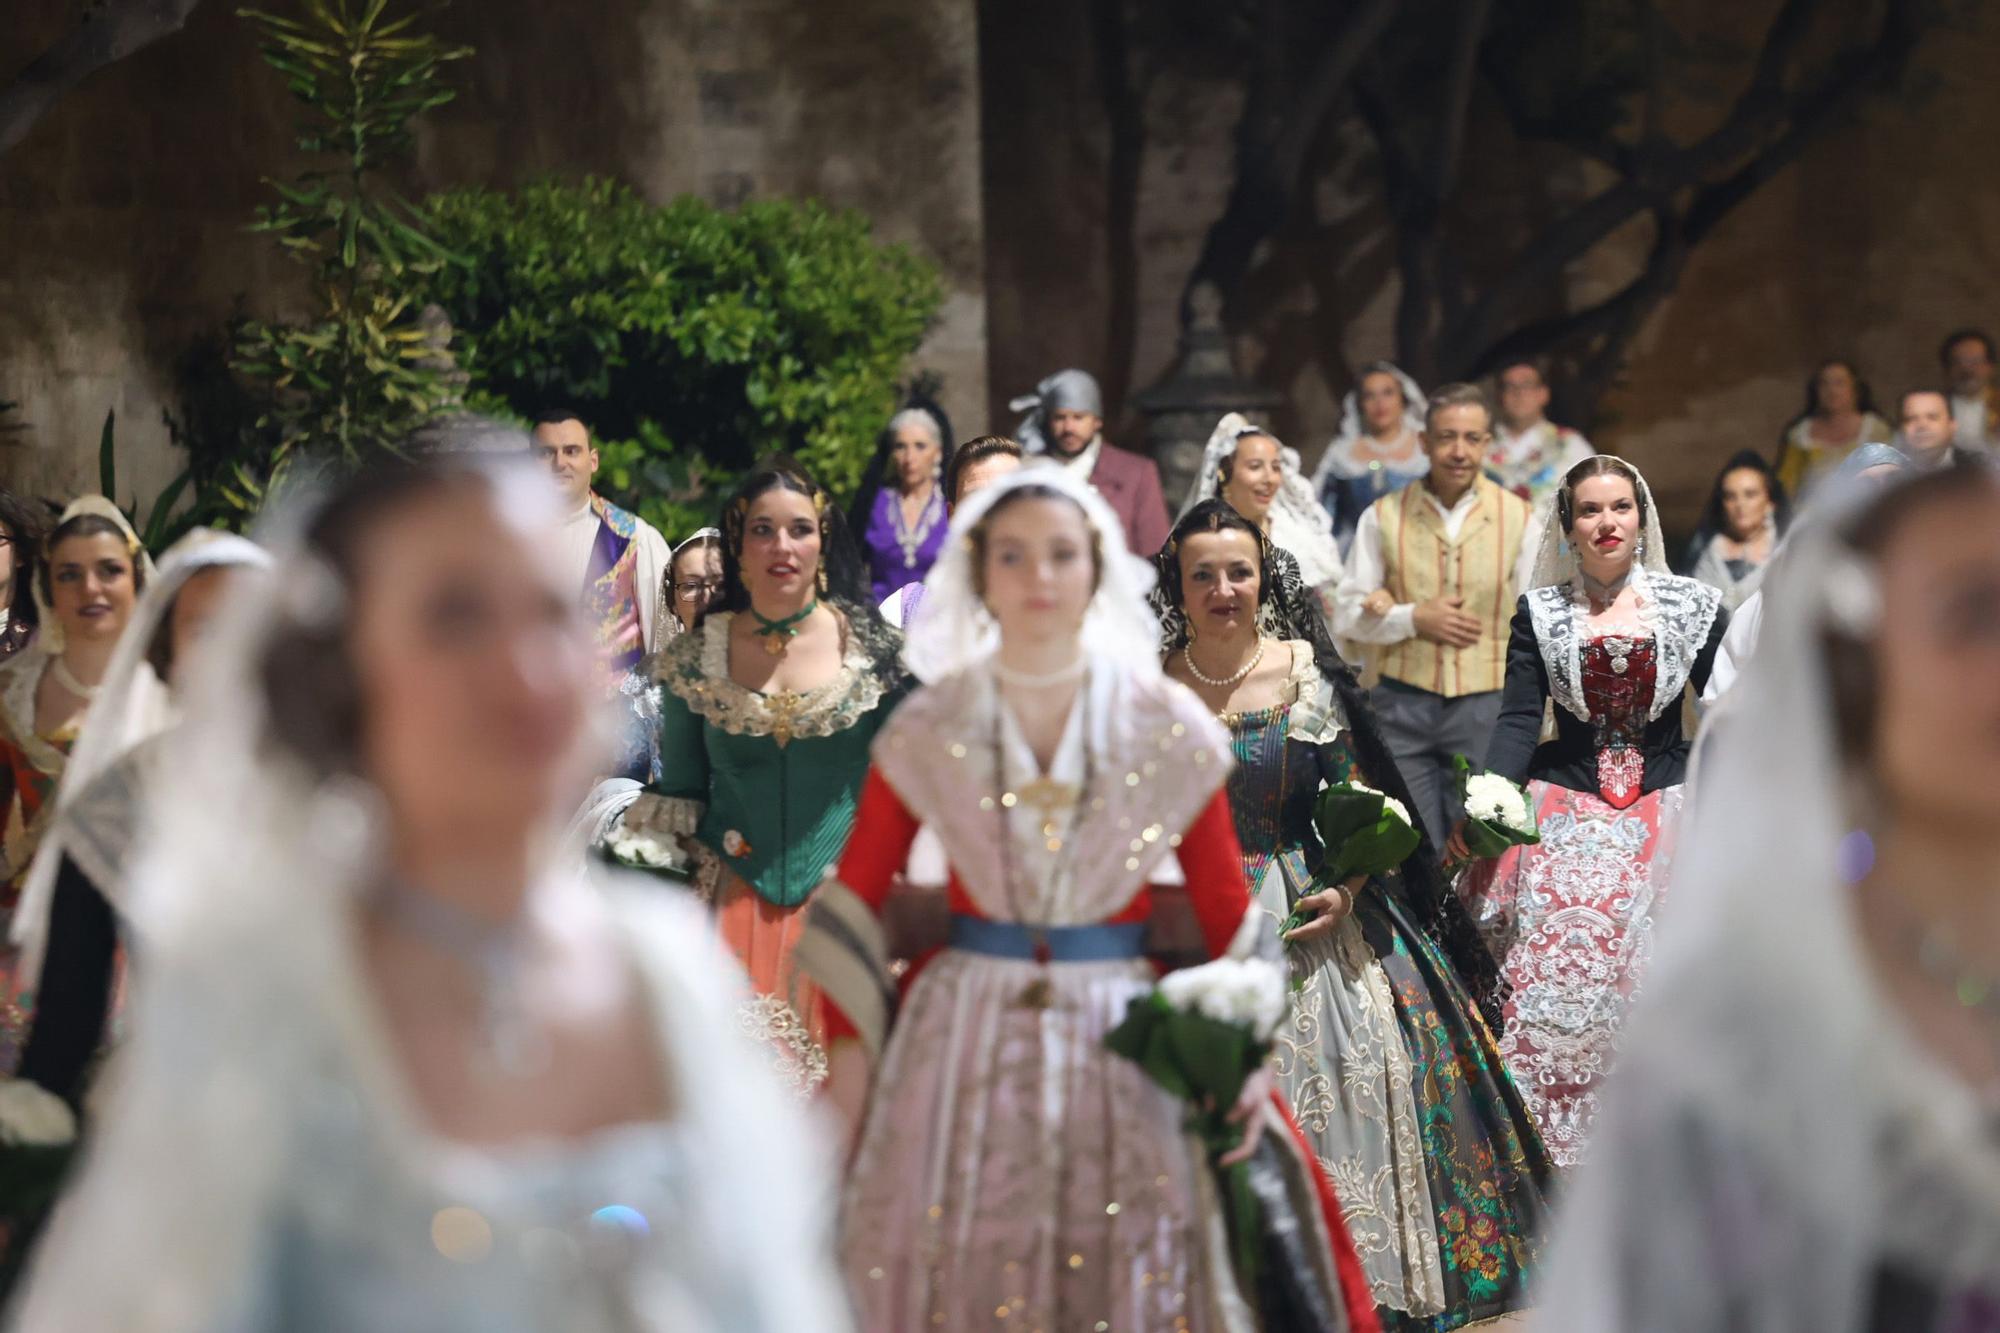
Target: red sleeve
877,849
879,846
1212,861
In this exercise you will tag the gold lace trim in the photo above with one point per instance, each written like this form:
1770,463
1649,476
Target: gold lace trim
696,668
796,1058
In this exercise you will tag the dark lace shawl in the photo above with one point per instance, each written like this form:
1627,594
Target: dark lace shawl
1290,612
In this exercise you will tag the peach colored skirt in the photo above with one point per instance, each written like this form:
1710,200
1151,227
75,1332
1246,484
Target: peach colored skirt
787,1013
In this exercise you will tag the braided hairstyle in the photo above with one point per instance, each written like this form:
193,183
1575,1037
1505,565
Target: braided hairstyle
843,575
1286,610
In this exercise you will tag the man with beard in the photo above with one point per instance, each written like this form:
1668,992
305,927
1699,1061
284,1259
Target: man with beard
1065,423
1967,360
613,558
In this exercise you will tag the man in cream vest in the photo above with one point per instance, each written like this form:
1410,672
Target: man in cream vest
1431,582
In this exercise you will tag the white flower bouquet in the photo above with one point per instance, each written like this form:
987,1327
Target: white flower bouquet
1364,832
1200,1034
33,1117
1498,814
629,849
37,1142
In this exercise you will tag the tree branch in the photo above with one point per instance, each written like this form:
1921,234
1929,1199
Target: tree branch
1270,162
108,32
1655,279
1557,129
1443,174
1656,178
1323,88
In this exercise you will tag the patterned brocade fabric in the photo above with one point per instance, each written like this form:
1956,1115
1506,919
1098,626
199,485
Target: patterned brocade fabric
1390,1069
783,769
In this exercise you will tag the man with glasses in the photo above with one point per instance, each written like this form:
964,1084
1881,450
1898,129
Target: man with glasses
1431,582
608,554
1531,454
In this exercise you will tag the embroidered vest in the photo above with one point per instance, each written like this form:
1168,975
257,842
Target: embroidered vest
1420,562
609,598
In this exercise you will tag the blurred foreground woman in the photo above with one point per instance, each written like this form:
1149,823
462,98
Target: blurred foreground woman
393,1065
1801,1133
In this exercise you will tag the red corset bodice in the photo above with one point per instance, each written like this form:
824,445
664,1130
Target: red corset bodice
1619,673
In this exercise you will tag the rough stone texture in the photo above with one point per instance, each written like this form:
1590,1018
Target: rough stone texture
1875,244
122,214
1063,236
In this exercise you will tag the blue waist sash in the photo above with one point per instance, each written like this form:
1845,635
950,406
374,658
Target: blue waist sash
1066,944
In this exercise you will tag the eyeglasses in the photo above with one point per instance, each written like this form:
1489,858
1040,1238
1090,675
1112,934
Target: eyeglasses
694,588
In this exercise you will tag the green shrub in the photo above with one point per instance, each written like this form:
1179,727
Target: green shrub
352,379
692,338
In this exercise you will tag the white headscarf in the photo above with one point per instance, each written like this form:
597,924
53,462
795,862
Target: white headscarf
952,628
1339,453
50,638
1773,1136
665,617
1556,561
131,705
1298,524
246,891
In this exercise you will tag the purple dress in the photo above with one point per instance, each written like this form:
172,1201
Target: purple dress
899,555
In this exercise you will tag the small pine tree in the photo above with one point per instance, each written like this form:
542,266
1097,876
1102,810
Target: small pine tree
350,382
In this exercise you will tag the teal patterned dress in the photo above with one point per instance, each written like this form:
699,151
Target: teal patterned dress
1385,1058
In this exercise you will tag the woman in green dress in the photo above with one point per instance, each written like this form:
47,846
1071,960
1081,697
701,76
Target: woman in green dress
1387,1057
767,708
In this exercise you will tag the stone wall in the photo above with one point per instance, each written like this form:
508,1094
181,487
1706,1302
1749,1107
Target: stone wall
1876,243
121,216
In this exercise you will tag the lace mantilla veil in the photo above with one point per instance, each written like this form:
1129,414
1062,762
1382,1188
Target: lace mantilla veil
953,630
1298,524
1556,560
1415,404
131,705
1772,1138
244,889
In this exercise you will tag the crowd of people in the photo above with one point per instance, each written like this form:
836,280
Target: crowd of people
463,908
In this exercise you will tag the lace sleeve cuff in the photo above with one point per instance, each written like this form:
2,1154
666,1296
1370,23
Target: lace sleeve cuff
667,821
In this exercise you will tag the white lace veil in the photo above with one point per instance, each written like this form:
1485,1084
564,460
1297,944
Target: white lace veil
667,623
131,705
1556,560
1415,405
236,886
243,890
49,639
1298,523
1752,1169
952,628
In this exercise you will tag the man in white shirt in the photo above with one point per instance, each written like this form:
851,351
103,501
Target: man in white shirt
614,558
1432,580
1531,453
1967,360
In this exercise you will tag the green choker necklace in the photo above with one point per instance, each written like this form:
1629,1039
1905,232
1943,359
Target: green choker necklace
778,634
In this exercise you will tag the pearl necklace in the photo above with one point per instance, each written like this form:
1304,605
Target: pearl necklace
1226,681
60,670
